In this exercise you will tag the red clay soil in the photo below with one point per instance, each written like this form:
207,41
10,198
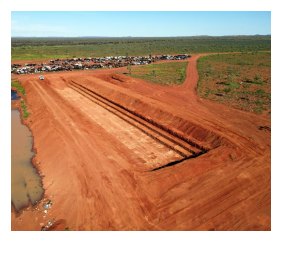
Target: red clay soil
96,159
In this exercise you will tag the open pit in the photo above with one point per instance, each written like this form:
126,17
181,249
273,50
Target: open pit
120,121
148,143
125,154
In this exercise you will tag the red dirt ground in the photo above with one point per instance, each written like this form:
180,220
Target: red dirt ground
96,167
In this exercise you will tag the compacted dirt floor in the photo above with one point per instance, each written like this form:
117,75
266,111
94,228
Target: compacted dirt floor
119,153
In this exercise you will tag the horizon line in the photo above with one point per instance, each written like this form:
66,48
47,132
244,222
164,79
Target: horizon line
234,35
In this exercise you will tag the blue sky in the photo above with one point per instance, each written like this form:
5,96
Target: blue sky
142,24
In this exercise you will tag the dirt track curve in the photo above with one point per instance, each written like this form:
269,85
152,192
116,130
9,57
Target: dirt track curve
118,153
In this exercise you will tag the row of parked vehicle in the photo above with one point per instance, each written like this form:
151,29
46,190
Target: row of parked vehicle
91,63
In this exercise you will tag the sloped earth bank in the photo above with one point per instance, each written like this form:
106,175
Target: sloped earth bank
118,153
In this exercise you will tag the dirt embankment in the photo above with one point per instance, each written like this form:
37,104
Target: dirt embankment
97,163
156,113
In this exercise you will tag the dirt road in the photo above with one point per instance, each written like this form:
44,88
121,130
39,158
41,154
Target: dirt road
98,136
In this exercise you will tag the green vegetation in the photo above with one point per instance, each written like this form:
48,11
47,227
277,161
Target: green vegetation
172,73
24,109
240,80
18,87
46,48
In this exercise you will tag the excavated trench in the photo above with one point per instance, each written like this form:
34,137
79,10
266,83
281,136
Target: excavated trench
183,145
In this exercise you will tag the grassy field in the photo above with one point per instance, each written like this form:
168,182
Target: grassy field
242,81
162,73
46,48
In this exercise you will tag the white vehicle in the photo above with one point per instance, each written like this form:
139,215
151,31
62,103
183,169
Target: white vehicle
41,77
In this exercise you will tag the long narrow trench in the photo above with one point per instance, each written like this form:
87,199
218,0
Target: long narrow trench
175,144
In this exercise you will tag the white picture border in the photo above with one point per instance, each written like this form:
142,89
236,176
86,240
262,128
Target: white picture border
149,243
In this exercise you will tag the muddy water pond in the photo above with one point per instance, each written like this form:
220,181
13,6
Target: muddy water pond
14,95
26,182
